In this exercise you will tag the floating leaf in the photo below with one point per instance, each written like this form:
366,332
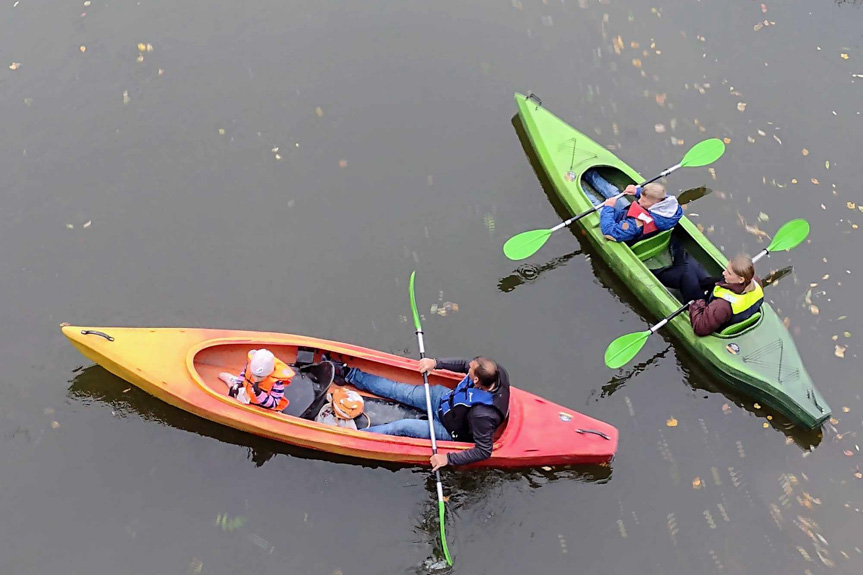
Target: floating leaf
846,409
805,152
142,47
741,106
844,56
87,224
840,351
636,62
726,140
319,112
827,164
762,217
815,181
671,422
83,48
765,425
814,309
343,164
756,405
14,65
696,483
850,205
660,128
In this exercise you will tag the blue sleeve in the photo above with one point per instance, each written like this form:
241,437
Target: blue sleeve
615,224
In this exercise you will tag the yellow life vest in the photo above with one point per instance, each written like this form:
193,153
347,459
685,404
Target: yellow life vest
743,305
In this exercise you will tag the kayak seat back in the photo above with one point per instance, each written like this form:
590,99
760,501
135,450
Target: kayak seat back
736,329
652,246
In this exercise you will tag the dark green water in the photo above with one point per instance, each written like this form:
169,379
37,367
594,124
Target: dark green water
397,152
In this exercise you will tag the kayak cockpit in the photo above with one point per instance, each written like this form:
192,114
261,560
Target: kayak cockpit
308,388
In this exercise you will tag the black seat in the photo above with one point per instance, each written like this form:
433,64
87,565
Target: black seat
308,389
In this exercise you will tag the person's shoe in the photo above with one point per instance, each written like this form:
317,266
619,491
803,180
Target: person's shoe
232,381
340,371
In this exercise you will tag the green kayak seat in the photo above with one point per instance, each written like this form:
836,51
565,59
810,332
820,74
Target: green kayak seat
739,327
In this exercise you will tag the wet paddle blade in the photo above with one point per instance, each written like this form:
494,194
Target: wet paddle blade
703,153
777,275
693,194
789,236
414,302
525,244
443,532
623,349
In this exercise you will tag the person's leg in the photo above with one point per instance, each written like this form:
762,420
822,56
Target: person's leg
406,393
604,187
416,428
690,280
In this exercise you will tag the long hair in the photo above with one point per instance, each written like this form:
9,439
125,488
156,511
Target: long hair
743,266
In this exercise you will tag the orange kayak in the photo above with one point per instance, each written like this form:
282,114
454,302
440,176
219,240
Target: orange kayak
181,367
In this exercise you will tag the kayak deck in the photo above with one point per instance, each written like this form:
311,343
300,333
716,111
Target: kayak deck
761,361
181,367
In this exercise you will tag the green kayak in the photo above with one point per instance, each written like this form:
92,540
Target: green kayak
757,358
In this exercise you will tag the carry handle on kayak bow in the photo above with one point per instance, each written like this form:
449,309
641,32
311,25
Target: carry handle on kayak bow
623,349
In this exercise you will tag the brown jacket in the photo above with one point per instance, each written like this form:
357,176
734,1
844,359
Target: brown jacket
706,318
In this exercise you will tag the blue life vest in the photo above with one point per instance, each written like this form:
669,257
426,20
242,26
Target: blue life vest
455,405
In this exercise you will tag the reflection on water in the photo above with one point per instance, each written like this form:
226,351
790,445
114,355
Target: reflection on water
529,273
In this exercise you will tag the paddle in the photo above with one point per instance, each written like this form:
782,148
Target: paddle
528,243
623,349
430,417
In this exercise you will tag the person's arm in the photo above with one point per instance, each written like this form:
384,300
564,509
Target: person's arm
707,318
614,224
483,421
453,364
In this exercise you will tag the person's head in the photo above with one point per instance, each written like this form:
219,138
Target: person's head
740,270
262,363
483,372
651,194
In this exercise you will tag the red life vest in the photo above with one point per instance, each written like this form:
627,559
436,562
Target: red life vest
636,211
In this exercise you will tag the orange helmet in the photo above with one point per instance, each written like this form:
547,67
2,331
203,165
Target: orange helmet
347,403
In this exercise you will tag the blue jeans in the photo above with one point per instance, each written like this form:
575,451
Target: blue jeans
412,395
604,187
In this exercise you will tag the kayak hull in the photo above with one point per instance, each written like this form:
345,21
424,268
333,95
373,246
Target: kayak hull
761,362
181,367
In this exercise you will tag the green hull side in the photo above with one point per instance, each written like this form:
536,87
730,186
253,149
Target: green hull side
767,367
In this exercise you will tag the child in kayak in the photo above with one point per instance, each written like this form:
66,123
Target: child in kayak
262,381
734,297
653,211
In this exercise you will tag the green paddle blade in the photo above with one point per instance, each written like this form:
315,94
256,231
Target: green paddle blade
414,302
525,244
789,236
703,153
443,533
623,349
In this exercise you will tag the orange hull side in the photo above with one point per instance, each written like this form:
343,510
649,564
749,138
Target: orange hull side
181,366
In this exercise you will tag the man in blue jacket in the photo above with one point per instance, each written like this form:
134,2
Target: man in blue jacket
653,211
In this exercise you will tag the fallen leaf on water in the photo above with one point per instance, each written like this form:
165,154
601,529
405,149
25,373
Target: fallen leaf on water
741,106
847,334
848,453
844,56
221,131
70,226
726,408
814,309
87,224
756,405
14,65
762,217
546,468
765,425
764,8
140,58
775,137
660,128
55,425
343,164
805,152
671,422
127,390
793,180
636,62
858,475
827,164
149,47
726,140
755,231
142,47
840,351
87,3
815,181
696,483
319,112
851,205
846,409
758,27
660,99
83,48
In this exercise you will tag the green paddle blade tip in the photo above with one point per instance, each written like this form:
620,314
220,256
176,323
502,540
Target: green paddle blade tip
789,236
525,244
703,153
443,533
623,349
414,302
